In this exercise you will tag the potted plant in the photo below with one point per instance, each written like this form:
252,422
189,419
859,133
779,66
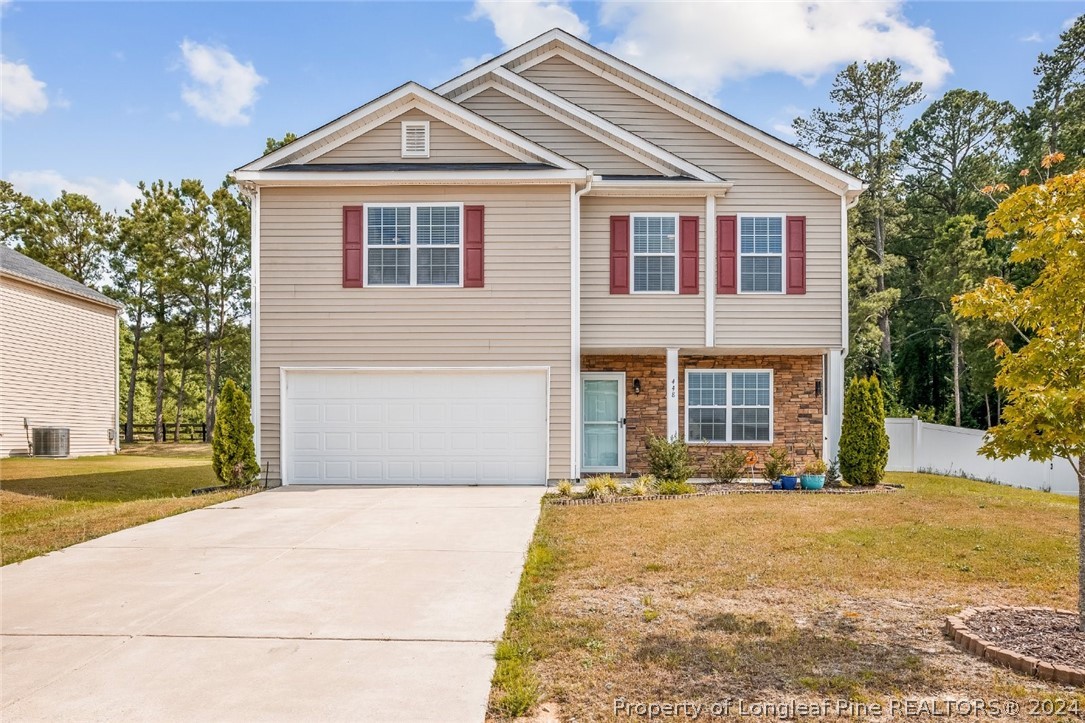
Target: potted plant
813,474
777,467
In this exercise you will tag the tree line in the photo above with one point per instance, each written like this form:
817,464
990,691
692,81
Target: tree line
178,259
917,235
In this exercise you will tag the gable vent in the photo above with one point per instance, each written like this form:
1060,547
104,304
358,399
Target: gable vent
415,139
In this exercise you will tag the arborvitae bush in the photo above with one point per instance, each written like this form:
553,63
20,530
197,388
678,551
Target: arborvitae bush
864,445
233,452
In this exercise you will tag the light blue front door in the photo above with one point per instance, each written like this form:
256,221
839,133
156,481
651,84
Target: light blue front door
602,407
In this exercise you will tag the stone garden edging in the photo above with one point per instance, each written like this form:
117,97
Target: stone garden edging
956,628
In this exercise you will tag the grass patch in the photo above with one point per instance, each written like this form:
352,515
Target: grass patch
775,596
48,504
515,688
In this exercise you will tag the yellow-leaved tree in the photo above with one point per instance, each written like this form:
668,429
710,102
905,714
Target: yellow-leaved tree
1043,379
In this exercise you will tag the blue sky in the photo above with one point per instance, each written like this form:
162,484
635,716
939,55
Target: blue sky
140,91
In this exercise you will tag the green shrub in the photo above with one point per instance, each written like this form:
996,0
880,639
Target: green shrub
565,488
233,451
832,474
864,445
668,459
727,466
675,487
777,464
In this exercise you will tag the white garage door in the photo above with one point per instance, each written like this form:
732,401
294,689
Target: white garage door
415,427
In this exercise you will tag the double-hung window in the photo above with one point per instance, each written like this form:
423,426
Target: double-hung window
761,254
414,245
655,253
725,406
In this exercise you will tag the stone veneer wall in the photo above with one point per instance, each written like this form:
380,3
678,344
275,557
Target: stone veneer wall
797,412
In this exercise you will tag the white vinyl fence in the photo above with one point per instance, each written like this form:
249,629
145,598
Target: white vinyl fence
916,446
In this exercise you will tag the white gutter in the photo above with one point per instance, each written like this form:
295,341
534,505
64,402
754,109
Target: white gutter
407,178
662,187
574,293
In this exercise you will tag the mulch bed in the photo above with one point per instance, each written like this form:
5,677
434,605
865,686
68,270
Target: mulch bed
714,490
1042,634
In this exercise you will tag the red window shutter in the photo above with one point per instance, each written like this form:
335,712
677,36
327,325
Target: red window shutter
796,254
353,246
474,256
619,254
727,254
688,254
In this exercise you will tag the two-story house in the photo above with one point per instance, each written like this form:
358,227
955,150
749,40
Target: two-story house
521,274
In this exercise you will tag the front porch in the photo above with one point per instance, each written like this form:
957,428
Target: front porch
713,401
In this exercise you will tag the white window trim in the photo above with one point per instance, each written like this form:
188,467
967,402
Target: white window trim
413,246
782,254
633,255
403,126
728,406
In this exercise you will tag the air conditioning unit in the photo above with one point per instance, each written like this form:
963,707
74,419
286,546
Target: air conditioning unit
51,441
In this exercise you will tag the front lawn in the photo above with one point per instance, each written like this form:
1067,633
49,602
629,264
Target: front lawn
47,504
779,597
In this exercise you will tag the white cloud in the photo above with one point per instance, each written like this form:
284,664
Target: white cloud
471,62
1032,38
784,131
223,89
110,195
20,91
515,22
699,46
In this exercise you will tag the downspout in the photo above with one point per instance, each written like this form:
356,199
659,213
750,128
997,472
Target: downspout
574,286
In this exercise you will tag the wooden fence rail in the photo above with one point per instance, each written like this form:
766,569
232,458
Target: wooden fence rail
189,432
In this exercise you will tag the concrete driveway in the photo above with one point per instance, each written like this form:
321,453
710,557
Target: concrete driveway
356,604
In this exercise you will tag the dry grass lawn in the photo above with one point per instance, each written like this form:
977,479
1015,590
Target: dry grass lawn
778,598
47,504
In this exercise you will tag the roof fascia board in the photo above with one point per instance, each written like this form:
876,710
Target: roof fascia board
38,283
480,70
404,98
408,178
756,141
600,127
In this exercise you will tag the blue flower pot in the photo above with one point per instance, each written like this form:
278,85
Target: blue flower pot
813,481
789,482
776,485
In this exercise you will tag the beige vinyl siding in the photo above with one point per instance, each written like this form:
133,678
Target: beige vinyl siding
521,318
555,135
634,320
58,367
383,144
811,319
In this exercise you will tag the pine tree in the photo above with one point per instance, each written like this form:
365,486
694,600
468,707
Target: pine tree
864,444
233,453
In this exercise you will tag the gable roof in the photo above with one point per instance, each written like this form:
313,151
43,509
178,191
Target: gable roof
406,97
653,89
15,264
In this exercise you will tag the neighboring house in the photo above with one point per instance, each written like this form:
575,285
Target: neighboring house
521,274
58,358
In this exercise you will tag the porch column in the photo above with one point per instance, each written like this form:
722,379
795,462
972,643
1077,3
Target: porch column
833,387
672,393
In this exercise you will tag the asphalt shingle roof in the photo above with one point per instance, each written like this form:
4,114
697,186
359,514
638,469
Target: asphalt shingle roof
23,267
